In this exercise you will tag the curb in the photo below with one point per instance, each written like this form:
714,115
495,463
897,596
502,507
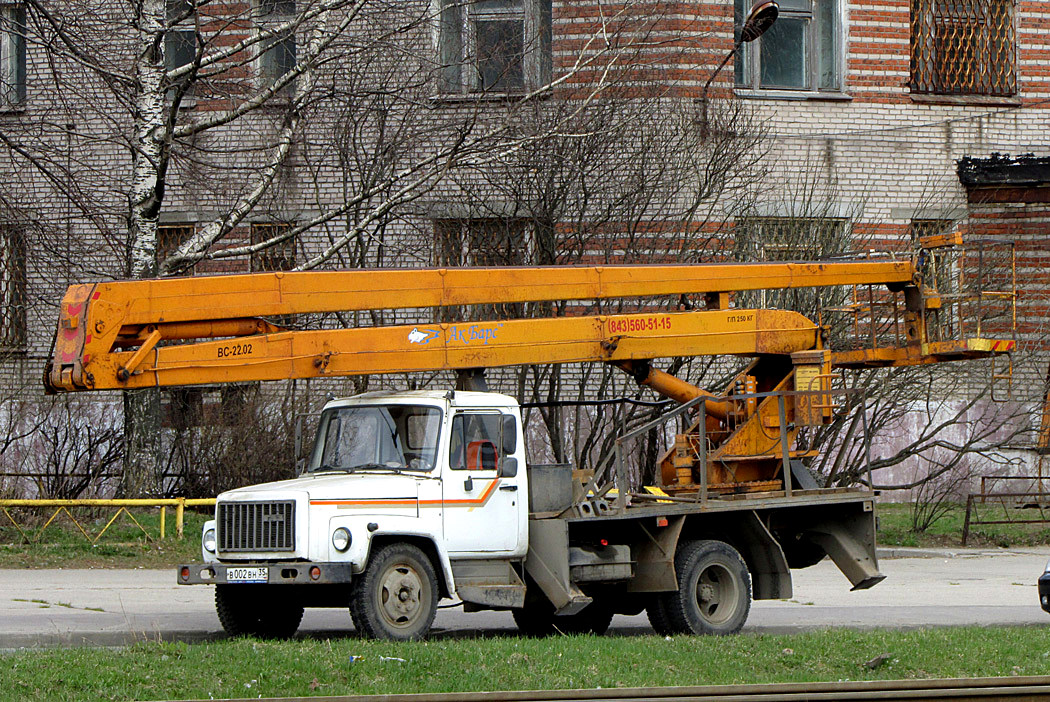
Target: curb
115,639
890,552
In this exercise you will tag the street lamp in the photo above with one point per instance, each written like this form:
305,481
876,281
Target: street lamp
762,16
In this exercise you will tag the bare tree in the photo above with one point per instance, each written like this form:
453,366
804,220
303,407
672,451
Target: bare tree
146,114
929,429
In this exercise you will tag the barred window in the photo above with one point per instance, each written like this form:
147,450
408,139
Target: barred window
169,238
12,289
480,242
790,238
276,257
963,47
922,228
938,267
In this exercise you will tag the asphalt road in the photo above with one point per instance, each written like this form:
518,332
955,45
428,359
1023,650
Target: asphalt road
116,607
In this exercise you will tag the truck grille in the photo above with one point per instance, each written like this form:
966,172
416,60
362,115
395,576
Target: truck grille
256,526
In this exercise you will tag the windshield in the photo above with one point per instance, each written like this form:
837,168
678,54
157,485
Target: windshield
395,437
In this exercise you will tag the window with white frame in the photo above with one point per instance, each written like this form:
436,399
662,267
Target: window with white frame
277,53
180,38
12,54
802,51
498,46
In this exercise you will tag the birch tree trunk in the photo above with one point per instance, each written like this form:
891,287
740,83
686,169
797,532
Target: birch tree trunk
141,475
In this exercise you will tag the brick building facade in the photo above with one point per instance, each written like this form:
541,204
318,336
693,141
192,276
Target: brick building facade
864,108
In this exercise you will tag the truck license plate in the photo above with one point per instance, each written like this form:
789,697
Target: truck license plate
246,575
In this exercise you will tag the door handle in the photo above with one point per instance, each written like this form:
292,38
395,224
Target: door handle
509,488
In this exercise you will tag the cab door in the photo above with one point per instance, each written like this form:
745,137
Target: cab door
484,511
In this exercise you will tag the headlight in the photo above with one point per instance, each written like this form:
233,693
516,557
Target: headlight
341,539
209,541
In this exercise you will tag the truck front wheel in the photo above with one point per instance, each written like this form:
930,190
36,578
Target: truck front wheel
396,597
714,590
245,610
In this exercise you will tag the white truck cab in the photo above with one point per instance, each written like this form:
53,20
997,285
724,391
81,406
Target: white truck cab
434,472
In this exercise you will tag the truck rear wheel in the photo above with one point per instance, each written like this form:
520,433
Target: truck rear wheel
396,597
714,590
658,616
244,610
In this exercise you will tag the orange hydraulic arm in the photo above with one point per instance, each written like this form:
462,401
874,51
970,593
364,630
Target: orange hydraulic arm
110,334
206,330
119,335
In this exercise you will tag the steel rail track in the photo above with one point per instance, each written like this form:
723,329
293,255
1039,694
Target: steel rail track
1014,689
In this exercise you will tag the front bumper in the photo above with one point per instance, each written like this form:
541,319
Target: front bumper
298,573
1044,591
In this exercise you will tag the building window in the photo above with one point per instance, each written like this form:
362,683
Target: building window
938,260
499,46
279,256
169,238
12,55
208,406
480,242
963,47
801,51
12,289
277,52
791,238
180,40
184,408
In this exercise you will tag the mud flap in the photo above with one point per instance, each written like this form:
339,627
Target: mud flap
548,564
850,542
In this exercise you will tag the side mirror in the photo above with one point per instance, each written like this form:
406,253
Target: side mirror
510,435
508,467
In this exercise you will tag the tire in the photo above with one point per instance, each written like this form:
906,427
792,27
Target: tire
396,597
537,618
658,616
594,619
244,610
714,590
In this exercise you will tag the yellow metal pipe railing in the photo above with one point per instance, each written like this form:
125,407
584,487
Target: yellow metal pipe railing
179,503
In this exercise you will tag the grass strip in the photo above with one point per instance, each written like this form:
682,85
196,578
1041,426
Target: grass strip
123,545
248,668
895,527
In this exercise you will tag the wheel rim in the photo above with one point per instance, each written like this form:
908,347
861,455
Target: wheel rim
402,598
717,593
